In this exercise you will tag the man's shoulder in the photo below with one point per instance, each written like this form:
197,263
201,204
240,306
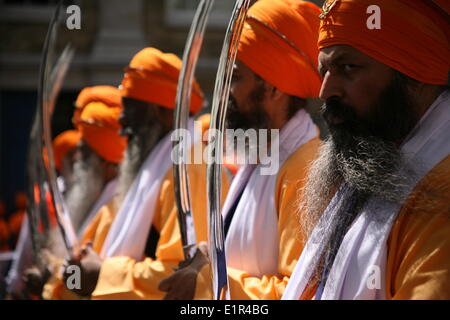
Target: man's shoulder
429,201
296,165
419,241
432,193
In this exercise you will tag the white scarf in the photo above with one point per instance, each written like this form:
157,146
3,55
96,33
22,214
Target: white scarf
252,242
129,231
105,197
363,251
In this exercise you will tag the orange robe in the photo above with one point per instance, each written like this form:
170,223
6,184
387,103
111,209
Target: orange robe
242,285
418,248
125,278
96,233
418,262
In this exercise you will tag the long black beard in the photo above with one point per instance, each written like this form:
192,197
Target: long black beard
362,156
255,119
139,148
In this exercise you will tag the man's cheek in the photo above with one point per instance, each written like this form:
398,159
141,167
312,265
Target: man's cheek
363,97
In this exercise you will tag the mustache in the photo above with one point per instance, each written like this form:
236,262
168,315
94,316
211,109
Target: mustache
345,125
235,118
334,108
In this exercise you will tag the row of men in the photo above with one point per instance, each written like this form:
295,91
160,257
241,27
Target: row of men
361,215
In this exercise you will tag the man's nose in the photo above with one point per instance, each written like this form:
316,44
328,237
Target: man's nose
331,87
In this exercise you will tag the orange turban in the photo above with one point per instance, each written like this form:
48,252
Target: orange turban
413,37
63,144
279,43
153,77
106,94
99,127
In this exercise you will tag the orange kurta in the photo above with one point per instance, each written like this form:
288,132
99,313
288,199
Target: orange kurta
126,278
418,264
418,248
96,233
243,286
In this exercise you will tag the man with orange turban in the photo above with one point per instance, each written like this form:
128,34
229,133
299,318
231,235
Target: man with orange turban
378,197
275,72
64,148
93,165
99,153
135,239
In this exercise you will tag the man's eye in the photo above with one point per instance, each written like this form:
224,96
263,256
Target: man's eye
349,67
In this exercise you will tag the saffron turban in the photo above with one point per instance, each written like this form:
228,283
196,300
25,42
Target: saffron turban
279,43
152,76
106,94
100,128
413,37
63,144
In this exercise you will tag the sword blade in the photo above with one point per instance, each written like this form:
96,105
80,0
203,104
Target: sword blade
215,145
35,164
51,89
190,58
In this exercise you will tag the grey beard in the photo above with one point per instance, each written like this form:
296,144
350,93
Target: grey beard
139,148
87,184
371,169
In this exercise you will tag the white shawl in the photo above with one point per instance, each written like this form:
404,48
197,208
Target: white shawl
105,197
252,242
363,251
130,229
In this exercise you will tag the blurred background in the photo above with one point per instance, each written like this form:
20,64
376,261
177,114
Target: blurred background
112,31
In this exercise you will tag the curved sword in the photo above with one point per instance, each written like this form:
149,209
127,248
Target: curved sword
215,146
52,88
51,79
190,57
35,171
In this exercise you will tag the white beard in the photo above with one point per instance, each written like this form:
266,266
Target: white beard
87,184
